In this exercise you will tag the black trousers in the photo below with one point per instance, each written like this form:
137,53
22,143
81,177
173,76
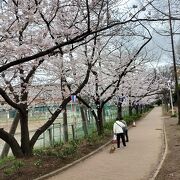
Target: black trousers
120,135
126,135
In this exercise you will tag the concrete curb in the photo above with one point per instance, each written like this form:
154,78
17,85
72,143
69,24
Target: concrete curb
164,154
73,163
53,173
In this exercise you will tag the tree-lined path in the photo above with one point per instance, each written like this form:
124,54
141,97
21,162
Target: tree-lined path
137,161
99,52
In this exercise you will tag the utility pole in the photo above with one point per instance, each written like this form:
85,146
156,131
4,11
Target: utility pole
171,99
174,62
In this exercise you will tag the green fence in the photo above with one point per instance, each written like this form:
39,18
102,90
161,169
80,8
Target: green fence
55,132
75,129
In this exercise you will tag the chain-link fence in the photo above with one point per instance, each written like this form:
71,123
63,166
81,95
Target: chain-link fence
55,133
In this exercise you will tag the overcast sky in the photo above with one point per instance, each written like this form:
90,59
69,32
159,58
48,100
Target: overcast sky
160,45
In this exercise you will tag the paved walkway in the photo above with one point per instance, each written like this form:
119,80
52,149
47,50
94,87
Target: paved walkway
137,161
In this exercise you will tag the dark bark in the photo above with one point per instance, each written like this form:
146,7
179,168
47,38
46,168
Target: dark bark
130,110
12,131
130,103
65,125
104,115
9,139
141,109
25,145
137,109
100,120
84,120
119,113
92,111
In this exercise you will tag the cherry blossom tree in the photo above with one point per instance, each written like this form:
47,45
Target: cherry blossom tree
27,30
166,74
38,31
168,29
140,85
68,23
114,63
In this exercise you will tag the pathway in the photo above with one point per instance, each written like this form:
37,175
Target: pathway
137,161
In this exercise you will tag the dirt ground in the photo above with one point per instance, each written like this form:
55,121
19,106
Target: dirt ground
31,168
170,169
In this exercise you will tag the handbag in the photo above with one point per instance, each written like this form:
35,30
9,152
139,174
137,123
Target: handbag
114,139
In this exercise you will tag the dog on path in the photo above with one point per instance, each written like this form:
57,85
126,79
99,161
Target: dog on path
112,149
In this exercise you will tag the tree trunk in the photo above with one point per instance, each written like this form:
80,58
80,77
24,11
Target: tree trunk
97,121
137,109
130,106
86,115
130,110
84,120
103,115
25,142
100,120
12,131
119,110
141,109
65,126
11,141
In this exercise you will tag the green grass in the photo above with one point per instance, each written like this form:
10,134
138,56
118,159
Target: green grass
10,165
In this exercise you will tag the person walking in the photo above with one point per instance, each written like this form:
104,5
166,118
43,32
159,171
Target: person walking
125,129
118,131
